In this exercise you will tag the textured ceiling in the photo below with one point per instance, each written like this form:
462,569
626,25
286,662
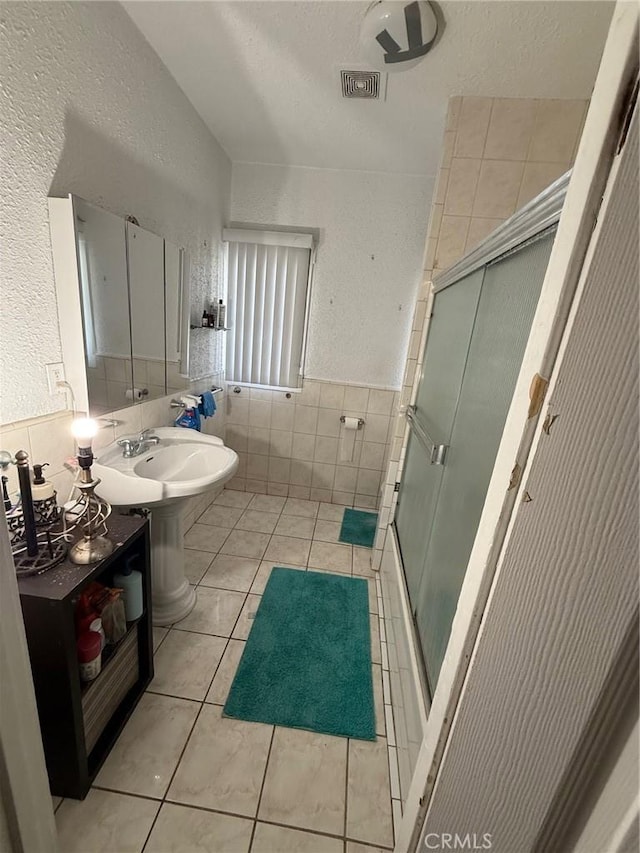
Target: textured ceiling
264,75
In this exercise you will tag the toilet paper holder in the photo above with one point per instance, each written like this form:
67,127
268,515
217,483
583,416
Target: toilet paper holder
360,421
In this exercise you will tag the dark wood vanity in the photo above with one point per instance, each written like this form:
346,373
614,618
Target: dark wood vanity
80,722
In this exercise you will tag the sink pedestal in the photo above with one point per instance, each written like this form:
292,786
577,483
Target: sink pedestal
172,596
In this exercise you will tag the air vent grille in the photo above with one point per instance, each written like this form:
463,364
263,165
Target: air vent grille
360,84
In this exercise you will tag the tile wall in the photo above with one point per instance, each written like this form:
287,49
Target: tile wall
109,380
291,445
48,438
497,154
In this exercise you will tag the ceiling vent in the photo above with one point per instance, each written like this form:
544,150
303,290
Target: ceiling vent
360,84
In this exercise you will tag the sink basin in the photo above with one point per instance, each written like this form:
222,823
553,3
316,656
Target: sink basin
163,478
184,463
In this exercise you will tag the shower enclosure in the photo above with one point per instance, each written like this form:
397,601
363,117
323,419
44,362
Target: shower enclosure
482,313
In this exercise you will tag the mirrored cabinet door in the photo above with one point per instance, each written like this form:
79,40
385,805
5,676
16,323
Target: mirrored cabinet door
102,273
123,299
146,298
173,300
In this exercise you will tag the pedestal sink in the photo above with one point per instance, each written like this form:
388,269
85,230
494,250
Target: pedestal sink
184,463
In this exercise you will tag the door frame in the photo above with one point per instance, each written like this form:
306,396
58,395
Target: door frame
24,784
522,433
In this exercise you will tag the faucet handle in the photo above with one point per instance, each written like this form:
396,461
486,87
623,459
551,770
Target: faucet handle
126,444
147,433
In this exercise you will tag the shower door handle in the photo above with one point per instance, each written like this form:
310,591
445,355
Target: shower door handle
436,452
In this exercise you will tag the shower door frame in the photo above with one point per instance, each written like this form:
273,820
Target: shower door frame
535,220
523,429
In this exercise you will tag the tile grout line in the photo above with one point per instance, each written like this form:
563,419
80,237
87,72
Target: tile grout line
175,770
346,791
264,779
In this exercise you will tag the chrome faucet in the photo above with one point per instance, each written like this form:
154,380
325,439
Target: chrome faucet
135,446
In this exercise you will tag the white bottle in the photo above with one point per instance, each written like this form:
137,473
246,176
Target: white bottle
41,489
221,317
130,582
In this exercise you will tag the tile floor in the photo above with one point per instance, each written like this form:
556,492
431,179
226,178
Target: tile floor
183,778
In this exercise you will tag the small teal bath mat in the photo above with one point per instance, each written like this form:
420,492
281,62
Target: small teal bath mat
358,527
307,662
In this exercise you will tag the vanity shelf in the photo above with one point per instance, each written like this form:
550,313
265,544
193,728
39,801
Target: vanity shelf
212,328
80,722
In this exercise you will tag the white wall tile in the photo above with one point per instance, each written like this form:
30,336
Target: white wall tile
300,492
257,466
537,177
331,396
461,189
372,455
368,482
237,410
329,422
473,123
279,470
280,443
557,126
345,479
380,402
261,394
323,475
356,398
326,449
259,440
375,428
451,241
305,419
303,446
282,416
260,413
510,129
301,473
310,394
498,187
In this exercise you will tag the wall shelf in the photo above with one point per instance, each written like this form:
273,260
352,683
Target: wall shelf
212,328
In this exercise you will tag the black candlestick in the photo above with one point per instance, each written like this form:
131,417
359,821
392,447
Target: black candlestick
30,530
5,493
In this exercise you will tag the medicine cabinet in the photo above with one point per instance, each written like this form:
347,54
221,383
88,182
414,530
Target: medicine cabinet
123,307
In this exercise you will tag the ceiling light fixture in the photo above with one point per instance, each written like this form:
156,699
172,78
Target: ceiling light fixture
395,36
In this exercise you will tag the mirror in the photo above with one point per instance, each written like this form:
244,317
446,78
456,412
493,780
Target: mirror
131,295
102,272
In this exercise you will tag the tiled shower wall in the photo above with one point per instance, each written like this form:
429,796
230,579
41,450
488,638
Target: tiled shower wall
291,444
498,154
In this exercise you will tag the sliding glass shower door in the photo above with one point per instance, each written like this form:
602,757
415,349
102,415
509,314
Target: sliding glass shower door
477,337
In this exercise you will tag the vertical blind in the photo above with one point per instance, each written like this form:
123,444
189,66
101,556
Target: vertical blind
267,280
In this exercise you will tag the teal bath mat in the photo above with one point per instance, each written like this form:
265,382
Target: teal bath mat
307,662
358,527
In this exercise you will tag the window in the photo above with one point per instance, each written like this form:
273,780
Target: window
267,287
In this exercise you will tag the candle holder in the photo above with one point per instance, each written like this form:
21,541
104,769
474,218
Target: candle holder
33,552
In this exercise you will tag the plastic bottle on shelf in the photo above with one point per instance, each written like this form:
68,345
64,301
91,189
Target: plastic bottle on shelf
221,317
130,582
89,646
213,315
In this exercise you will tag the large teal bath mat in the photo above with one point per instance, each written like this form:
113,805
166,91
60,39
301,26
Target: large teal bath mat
358,527
307,662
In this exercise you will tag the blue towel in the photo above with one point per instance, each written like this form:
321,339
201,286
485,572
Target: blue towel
207,407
